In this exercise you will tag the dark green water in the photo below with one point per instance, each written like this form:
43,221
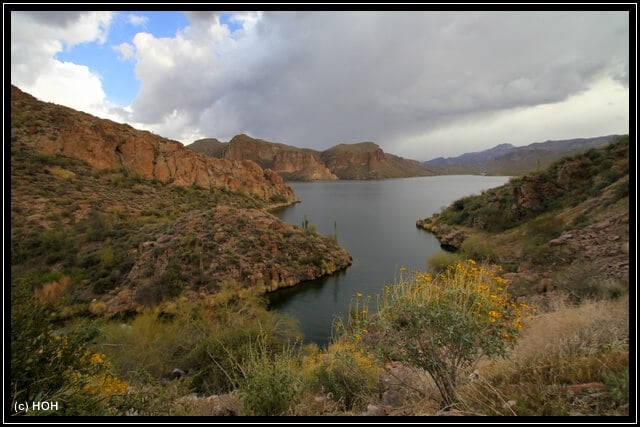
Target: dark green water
375,222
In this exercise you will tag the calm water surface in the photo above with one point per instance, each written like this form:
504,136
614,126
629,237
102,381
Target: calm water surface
375,222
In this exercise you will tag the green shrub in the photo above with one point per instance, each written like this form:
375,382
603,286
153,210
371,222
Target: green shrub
441,260
544,228
478,247
617,384
270,381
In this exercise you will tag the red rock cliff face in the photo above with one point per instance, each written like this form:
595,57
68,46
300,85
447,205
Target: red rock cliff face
104,144
290,162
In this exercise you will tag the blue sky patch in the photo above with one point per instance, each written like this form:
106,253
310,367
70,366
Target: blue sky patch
118,78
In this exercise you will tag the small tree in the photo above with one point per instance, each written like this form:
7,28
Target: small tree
443,324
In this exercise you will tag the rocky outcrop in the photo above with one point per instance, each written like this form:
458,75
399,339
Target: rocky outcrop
248,247
367,160
292,163
104,144
450,238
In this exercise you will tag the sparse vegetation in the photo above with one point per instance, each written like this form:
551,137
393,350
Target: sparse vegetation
205,345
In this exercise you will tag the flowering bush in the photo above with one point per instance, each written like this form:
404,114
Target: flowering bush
442,324
348,373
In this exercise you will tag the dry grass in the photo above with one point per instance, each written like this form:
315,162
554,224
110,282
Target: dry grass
565,346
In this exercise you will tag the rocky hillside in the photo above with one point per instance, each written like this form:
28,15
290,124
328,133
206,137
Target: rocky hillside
506,159
345,161
292,163
110,219
366,160
568,221
209,146
104,144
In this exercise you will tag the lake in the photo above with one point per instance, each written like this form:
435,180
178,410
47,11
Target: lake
375,221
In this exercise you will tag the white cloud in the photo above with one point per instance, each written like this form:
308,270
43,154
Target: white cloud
36,37
72,85
126,51
137,20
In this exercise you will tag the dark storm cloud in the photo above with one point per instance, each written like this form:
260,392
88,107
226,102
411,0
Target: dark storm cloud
55,18
319,78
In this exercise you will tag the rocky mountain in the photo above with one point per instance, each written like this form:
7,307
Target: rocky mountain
566,226
366,160
292,163
104,144
506,159
209,146
109,219
345,161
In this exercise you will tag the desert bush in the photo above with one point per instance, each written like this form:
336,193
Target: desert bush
443,324
348,373
581,281
440,261
270,381
478,247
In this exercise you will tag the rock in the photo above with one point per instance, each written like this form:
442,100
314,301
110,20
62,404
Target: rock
177,373
545,285
594,387
509,404
564,237
374,411
392,398
524,267
224,405
454,239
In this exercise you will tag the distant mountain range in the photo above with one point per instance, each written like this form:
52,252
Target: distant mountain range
364,160
506,159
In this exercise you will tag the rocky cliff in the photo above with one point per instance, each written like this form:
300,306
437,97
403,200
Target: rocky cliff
367,160
104,144
292,163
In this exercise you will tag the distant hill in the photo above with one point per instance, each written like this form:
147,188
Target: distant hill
364,160
209,146
506,159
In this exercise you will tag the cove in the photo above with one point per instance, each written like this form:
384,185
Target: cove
375,221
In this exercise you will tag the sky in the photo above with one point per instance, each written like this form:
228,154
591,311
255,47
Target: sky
419,84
